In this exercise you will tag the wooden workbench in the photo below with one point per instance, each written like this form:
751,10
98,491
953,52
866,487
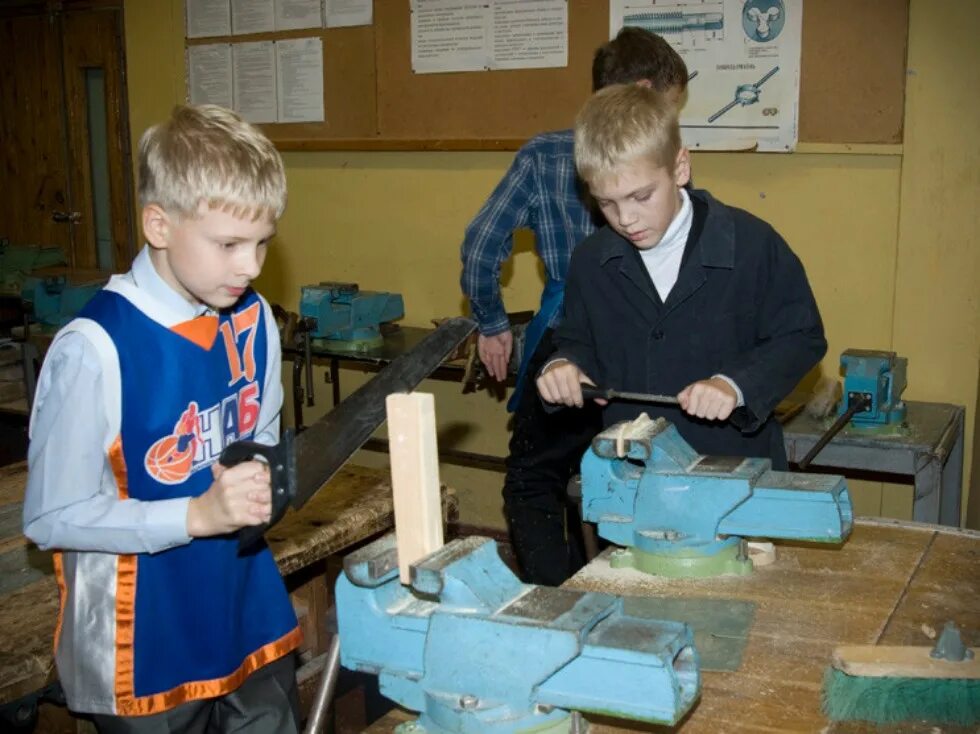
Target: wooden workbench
355,505
884,585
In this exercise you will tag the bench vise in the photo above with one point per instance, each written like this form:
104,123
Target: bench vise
472,649
878,378
678,513
54,300
347,316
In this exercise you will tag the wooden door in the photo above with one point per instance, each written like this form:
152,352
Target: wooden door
64,123
33,148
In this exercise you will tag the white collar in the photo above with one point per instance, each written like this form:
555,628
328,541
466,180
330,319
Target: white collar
677,231
147,279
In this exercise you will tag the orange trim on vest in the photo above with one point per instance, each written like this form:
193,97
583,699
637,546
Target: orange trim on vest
128,705
202,330
59,575
125,587
117,462
125,628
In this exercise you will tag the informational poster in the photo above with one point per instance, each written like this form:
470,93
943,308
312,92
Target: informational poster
344,13
299,78
743,61
529,34
449,35
478,35
208,18
209,75
298,14
254,75
252,16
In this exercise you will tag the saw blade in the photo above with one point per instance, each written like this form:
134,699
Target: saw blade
324,447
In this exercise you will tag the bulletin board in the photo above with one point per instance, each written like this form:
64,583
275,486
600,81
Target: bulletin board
852,87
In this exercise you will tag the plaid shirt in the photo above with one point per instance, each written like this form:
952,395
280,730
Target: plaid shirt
541,191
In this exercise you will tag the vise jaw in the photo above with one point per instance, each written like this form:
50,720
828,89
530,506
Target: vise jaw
678,513
472,649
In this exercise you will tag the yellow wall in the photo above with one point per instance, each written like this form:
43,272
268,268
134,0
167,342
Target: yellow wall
937,312
862,222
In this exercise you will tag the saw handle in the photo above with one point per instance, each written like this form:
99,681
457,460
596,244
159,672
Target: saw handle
281,459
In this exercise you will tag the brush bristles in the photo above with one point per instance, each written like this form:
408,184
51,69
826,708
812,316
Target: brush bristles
889,700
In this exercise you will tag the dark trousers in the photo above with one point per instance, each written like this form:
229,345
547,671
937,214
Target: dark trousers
545,452
266,703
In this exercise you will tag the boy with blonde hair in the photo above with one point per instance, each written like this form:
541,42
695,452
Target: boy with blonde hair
164,626
678,294
542,191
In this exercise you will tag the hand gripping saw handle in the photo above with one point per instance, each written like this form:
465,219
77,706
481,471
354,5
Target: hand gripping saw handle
281,459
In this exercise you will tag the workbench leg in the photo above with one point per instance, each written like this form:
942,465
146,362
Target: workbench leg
335,380
952,480
928,488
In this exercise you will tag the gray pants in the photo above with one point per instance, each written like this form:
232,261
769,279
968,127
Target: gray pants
266,703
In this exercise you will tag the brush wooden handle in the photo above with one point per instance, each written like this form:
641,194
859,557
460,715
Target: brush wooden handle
895,661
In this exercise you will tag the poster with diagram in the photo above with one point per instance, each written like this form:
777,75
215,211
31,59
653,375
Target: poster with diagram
743,61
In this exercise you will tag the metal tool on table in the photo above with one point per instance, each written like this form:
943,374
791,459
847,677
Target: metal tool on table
347,317
55,300
295,335
873,385
678,513
472,649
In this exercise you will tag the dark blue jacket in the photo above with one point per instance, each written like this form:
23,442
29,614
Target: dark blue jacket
741,307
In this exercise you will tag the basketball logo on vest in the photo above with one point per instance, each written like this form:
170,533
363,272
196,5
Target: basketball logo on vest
199,436
170,459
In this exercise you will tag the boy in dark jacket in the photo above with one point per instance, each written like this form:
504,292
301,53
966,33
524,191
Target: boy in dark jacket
678,294
542,191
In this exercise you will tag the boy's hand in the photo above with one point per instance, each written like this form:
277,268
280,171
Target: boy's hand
495,352
561,382
239,496
713,399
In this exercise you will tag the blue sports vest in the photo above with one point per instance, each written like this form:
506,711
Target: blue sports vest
192,621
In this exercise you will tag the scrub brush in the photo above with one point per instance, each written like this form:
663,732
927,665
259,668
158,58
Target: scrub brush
886,684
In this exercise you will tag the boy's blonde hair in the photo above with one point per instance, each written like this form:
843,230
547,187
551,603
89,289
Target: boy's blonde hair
621,124
206,153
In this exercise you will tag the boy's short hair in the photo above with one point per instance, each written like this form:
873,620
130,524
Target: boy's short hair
206,153
621,124
636,54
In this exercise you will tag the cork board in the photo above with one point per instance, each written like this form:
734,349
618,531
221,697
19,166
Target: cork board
852,86
852,71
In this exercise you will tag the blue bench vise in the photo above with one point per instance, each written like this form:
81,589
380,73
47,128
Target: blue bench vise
472,649
54,301
878,378
678,513
347,317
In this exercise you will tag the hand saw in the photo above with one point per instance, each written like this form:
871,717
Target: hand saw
300,465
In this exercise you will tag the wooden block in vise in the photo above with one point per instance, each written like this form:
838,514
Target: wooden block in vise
414,477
